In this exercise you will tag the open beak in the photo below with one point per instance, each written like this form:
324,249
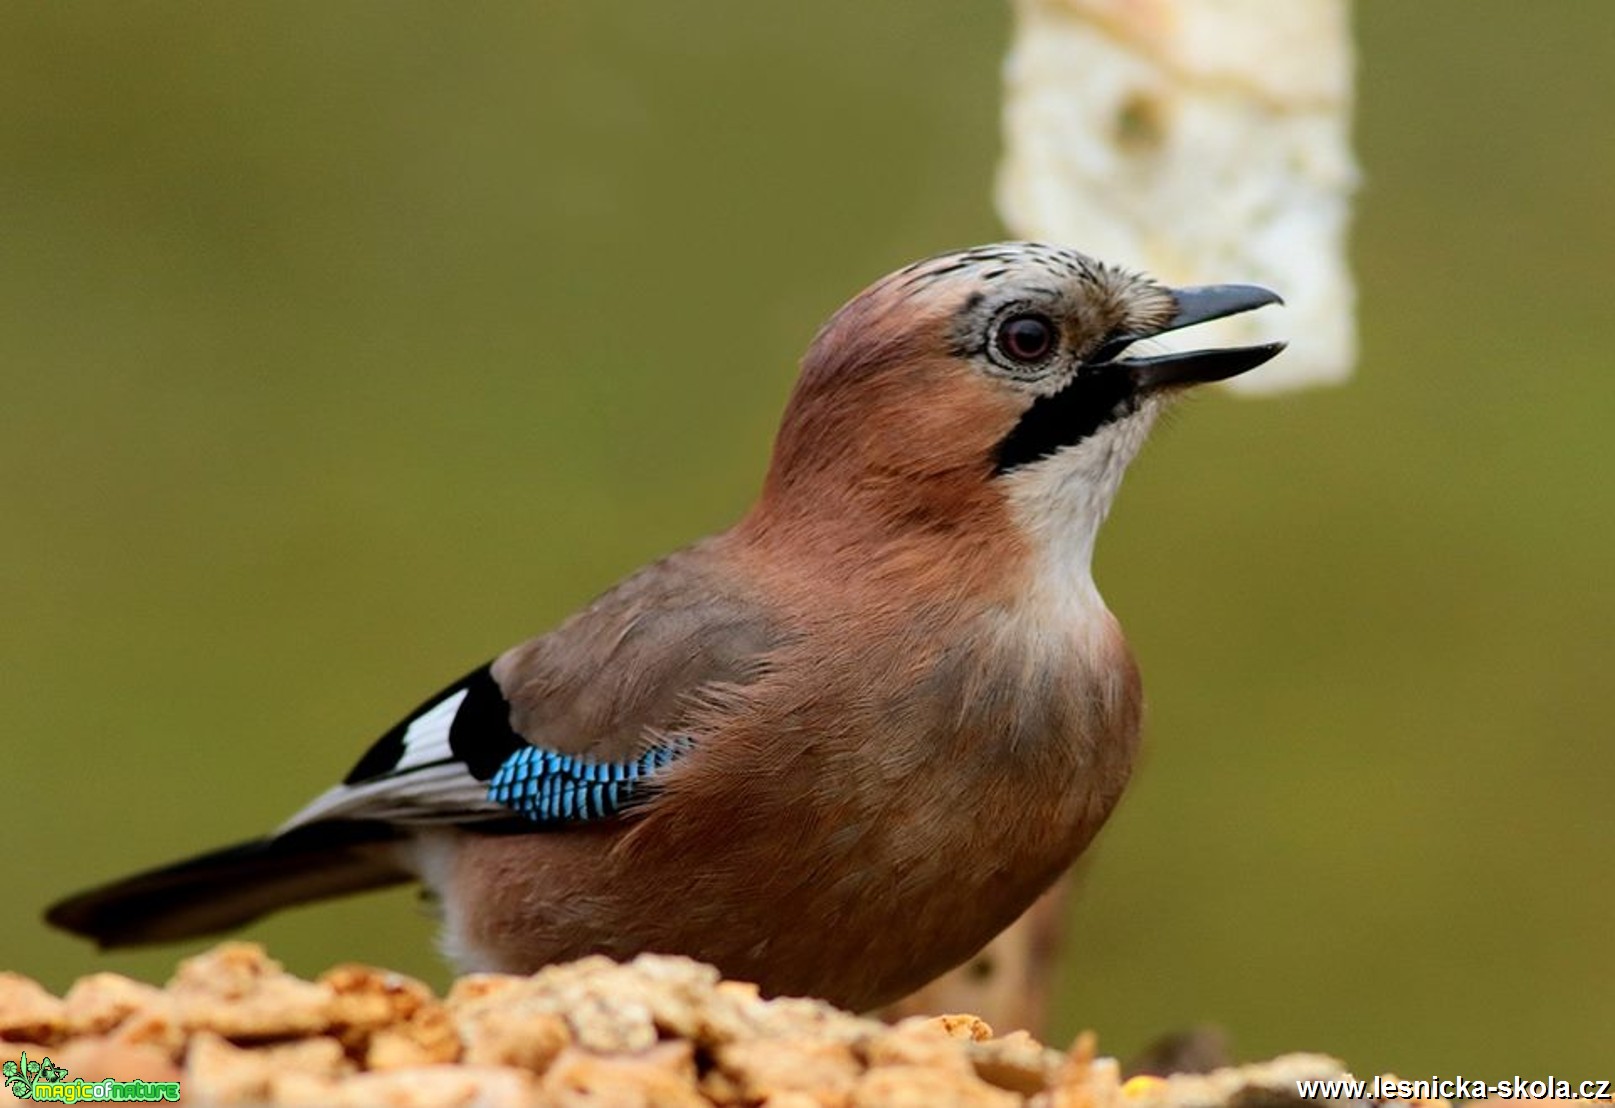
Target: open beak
1194,367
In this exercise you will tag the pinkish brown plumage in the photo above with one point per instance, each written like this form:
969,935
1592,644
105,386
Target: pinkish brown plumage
833,750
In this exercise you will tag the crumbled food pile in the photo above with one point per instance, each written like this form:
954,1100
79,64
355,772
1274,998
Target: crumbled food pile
234,1028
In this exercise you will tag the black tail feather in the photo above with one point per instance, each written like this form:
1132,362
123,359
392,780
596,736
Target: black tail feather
229,887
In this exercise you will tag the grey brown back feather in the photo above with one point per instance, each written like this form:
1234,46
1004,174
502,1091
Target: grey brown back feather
642,661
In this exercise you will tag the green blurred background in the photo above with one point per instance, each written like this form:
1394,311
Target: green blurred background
343,345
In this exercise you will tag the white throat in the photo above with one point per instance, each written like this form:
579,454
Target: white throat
1060,503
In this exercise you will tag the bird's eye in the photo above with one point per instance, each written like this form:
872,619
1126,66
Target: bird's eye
1026,338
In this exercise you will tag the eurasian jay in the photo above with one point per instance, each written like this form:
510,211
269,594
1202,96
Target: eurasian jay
833,750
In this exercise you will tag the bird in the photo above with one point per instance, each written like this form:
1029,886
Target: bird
833,750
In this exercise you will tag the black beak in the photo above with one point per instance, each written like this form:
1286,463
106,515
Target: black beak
1193,367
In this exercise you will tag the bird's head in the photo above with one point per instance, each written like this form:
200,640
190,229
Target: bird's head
991,388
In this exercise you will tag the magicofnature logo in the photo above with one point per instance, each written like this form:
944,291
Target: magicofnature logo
45,1080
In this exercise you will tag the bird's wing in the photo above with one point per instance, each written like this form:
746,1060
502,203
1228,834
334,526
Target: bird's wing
573,725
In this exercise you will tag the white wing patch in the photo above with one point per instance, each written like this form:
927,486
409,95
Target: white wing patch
428,785
427,739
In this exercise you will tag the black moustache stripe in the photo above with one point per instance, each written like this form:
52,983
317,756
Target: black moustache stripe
1092,399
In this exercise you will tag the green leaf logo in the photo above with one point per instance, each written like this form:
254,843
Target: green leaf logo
17,1076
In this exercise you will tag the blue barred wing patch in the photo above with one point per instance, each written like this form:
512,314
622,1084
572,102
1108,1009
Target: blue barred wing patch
547,787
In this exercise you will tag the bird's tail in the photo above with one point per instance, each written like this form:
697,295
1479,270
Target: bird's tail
226,888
